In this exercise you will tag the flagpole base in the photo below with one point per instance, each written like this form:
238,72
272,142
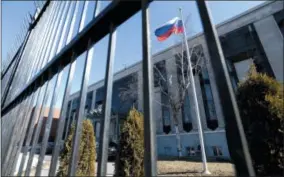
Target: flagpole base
206,172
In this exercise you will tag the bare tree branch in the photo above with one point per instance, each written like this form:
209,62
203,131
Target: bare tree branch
175,93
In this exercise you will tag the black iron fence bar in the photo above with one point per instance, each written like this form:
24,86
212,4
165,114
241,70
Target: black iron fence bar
83,15
79,116
14,134
38,40
50,116
27,58
23,63
31,26
62,117
58,140
43,37
105,121
150,157
18,66
49,40
9,133
58,34
34,44
21,133
82,98
234,130
12,138
52,38
95,30
39,125
40,50
14,69
49,121
4,71
67,24
69,37
47,2
34,116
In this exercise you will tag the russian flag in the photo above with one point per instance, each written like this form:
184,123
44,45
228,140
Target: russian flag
172,26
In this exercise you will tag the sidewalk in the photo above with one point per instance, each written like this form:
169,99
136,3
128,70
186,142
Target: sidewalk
46,165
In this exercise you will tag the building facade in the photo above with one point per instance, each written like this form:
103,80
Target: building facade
255,36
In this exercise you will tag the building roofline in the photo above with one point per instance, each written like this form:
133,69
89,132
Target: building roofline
234,18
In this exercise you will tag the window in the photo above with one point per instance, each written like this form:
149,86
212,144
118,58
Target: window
200,64
182,64
89,101
68,108
281,26
75,104
186,115
191,151
217,151
166,116
159,73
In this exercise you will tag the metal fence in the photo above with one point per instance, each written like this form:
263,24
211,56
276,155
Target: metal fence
53,44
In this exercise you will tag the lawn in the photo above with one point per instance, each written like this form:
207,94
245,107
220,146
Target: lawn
192,168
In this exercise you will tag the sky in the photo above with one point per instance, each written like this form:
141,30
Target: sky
128,43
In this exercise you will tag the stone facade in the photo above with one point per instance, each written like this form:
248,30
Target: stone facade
267,32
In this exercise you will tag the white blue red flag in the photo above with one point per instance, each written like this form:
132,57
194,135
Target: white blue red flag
172,26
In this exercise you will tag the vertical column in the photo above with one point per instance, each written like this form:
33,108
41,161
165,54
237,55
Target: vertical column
272,41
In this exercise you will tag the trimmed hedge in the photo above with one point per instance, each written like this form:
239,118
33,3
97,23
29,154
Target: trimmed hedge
87,152
261,102
130,157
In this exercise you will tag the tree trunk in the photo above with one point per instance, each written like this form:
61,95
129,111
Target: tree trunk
175,116
178,141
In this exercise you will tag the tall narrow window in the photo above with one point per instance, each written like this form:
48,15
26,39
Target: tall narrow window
184,97
200,68
160,80
89,101
166,114
208,101
186,115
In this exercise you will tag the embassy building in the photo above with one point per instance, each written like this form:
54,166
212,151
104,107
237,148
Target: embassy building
255,36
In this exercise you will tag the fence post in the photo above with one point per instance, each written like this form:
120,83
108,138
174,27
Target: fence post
234,129
150,160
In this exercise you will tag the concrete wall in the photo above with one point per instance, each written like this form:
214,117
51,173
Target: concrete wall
167,143
272,41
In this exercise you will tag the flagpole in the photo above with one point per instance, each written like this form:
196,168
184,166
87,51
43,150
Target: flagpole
200,132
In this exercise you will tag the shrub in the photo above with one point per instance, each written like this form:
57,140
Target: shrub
87,152
261,102
130,157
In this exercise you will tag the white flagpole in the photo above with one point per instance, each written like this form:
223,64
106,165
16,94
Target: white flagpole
200,131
